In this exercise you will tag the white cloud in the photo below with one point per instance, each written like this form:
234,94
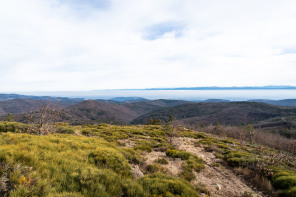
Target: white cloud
101,44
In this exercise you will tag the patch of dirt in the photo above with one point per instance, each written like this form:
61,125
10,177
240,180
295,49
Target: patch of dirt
219,180
173,167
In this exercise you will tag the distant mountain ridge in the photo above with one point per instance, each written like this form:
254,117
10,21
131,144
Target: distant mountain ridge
4,97
137,110
271,87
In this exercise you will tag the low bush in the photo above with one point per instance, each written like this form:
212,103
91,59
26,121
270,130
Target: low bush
161,161
152,168
187,173
197,164
145,145
14,127
65,165
131,156
178,154
239,158
111,159
65,130
162,185
284,182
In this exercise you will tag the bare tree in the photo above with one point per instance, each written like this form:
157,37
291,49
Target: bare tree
44,118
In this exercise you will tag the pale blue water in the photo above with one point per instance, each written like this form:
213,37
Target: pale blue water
235,95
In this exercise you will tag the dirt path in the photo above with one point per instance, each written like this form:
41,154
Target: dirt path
219,180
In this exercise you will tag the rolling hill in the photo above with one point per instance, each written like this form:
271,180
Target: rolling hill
224,113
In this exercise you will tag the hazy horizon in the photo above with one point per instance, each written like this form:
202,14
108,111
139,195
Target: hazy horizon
232,95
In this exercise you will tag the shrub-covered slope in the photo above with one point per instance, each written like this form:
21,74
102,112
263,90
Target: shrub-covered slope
143,160
224,113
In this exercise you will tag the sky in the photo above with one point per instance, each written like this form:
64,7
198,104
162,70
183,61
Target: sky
75,45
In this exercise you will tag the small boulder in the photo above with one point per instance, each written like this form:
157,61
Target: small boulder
137,172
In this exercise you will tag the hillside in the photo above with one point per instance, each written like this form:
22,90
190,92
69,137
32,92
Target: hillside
94,111
224,113
144,160
101,112
141,108
18,106
284,102
91,111
64,100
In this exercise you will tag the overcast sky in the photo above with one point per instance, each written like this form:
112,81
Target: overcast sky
58,45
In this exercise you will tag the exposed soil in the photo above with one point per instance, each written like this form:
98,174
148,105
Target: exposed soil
218,179
173,166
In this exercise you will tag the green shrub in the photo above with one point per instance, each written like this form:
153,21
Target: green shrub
133,189
199,135
178,154
131,155
112,159
285,182
187,173
65,130
279,173
152,168
192,164
87,132
57,165
66,194
14,127
239,158
163,147
292,192
161,185
197,164
161,161
228,141
222,146
145,145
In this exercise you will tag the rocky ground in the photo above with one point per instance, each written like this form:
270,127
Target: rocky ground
220,180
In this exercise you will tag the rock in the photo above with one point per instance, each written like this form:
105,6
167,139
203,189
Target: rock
137,172
218,187
4,186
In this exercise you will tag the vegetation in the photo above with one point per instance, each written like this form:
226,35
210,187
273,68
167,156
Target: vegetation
99,160
262,164
66,163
